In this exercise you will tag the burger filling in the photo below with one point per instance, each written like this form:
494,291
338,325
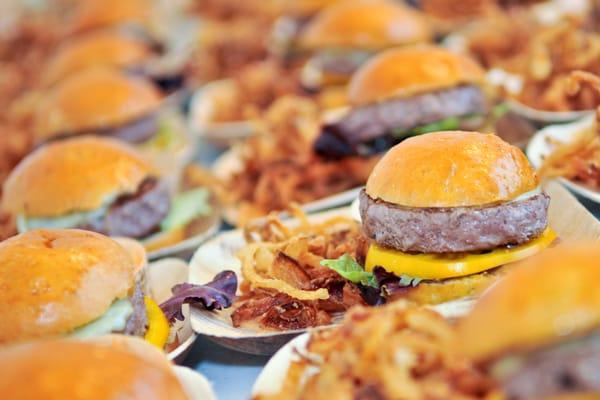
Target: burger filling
138,215
333,66
569,368
376,127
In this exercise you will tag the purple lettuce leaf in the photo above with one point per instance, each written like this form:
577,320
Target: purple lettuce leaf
390,283
215,295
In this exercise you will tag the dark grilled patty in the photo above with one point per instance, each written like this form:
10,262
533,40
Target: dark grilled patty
567,369
137,323
136,215
363,125
453,229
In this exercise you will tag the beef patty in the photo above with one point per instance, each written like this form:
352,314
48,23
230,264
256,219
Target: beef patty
376,121
135,215
570,368
453,229
137,323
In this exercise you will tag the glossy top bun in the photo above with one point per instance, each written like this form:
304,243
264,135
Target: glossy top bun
78,174
451,169
405,71
365,24
104,48
93,99
94,14
546,299
91,370
54,281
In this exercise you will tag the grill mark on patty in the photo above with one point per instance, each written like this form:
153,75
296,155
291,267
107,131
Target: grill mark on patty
453,229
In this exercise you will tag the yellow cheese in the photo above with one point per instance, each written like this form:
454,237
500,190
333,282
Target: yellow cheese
443,266
158,326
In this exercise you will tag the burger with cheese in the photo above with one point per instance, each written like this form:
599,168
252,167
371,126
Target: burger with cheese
103,185
112,368
405,92
445,211
344,35
537,331
74,283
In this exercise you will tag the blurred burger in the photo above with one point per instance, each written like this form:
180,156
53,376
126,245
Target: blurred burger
97,14
537,330
344,35
74,283
103,101
102,185
114,368
444,210
446,16
113,48
405,92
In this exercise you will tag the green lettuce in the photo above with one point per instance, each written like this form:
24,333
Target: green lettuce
349,269
164,138
113,320
186,207
448,124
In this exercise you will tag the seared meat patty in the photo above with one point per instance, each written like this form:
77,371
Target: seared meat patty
365,124
137,323
569,368
136,215
453,229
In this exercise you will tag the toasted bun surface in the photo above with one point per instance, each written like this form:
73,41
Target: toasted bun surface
306,8
77,174
92,14
545,299
101,48
94,98
54,281
90,370
405,71
451,169
365,24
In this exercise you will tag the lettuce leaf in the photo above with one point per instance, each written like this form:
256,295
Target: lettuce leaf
186,207
215,295
349,269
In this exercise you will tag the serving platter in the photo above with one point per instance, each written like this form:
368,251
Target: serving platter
195,384
545,140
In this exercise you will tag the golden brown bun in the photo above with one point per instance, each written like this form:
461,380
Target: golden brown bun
93,14
104,48
451,169
544,300
365,24
77,174
90,370
306,8
94,98
54,281
405,71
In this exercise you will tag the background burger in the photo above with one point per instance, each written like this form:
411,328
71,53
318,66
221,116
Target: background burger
112,48
74,283
344,35
99,14
103,101
444,210
537,330
114,368
405,92
102,185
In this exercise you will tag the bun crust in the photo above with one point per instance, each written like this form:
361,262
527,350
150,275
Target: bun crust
451,169
406,71
365,24
71,369
547,298
54,281
94,98
102,48
77,174
93,14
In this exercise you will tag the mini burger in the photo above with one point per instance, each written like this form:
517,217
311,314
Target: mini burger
104,101
405,92
74,283
344,35
445,210
110,369
537,331
99,184
111,48
97,14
